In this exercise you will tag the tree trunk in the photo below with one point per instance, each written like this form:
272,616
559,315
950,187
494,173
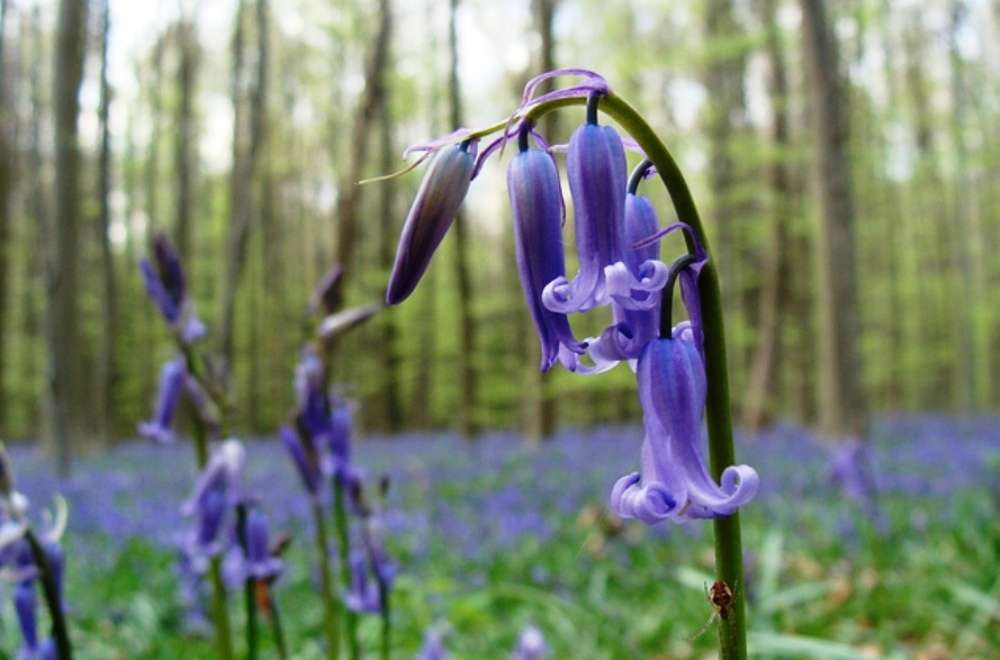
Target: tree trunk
540,411
965,232
243,169
760,398
187,42
726,107
349,195
107,367
34,308
842,407
931,215
7,169
896,234
64,388
463,279
392,407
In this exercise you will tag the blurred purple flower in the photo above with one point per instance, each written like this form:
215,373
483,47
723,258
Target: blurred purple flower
363,596
25,607
673,482
305,458
216,493
324,425
530,645
165,284
537,204
433,646
851,470
438,199
261,564
173,375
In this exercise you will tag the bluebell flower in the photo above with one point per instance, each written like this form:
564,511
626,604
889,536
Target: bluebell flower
194,595
673,481
323,423
537,204
363,596
530,645
595,164
173,376
433,646
851,469
306,459
438,199
165,284
216,493
261,563
25,606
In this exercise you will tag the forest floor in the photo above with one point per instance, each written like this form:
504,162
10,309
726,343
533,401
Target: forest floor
491,537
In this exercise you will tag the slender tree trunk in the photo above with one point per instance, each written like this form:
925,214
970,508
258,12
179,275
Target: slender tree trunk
932,220
34,308
760,398
187,42
463,279
7,169
540,412
107,367
392,407
243,170
726,107
842,408
967,355
349,196
65,379
896,234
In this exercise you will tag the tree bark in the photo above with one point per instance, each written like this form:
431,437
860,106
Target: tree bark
724,80
965,234
184,139
107,367
759,403
7,169
243,169
349,195
463,279
932,220
392,407
842,407
64,389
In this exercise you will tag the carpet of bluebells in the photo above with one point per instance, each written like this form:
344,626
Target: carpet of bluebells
495,536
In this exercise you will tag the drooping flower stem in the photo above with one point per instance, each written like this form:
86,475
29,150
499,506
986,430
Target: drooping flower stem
331,604
220,613
249,585
386,615
53,600
666,308
343,546
277,631
728,545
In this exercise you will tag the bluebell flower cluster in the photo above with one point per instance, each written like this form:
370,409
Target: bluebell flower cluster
18,547
617,238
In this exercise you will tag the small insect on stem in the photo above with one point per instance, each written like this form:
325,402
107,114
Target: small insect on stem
721,597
